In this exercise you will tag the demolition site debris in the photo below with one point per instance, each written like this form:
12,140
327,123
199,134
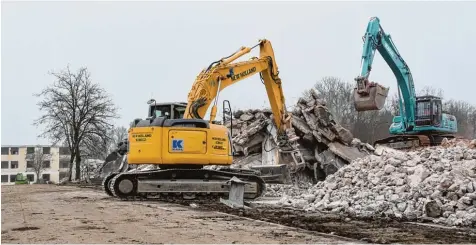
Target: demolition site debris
325,145
435,184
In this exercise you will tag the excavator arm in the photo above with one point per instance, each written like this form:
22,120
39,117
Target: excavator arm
371,96
223,73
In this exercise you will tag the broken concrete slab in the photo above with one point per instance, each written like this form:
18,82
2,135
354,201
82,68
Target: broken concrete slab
315,129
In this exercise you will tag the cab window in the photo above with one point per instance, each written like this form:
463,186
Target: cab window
179,112
160,111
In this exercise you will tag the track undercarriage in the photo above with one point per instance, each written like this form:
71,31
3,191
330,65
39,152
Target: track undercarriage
179,183
407,141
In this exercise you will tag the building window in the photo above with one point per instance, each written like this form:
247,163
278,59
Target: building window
30,150
63,175
30,177
14,151
4,178
4,164
46,177
64,151
29,164
13,177
14,164
4,150
46,150
46,164
64,163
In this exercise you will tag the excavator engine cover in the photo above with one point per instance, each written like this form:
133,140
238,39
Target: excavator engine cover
373,99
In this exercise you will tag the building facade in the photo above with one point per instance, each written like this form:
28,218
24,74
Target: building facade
21,159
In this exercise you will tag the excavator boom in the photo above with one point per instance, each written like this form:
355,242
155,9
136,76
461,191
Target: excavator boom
222,74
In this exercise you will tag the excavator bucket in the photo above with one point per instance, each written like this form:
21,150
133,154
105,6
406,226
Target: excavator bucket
373,98
279,164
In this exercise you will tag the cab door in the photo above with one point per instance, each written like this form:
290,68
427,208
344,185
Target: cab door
436,115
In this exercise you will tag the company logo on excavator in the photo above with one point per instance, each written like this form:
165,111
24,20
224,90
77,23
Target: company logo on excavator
177,145
242,74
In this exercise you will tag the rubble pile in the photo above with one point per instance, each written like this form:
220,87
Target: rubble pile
459,142
279,190
436,184
321,140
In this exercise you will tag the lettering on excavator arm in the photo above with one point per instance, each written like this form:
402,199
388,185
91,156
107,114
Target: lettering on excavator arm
241,75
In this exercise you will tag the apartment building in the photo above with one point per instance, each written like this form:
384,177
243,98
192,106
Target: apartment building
15,160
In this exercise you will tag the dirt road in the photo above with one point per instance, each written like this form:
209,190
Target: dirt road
60,214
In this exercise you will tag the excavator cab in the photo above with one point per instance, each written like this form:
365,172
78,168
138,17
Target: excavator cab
428,111
173,110
368,95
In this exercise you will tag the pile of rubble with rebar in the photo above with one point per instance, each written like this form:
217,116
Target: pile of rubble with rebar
325,145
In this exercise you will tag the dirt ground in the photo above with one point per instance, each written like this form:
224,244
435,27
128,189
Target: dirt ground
371,231
68,214
62,214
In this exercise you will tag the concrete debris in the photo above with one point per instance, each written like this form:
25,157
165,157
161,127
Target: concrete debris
278,190
434,183
325,145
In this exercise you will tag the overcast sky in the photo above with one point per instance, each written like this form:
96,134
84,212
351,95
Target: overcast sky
136,50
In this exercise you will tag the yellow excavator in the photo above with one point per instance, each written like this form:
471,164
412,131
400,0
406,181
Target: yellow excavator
180,142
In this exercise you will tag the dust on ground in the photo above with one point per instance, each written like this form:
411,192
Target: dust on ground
66,214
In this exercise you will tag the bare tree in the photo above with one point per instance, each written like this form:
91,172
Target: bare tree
95,148
372,125
465,116
428,90
75,110
38,161
118,134
338,97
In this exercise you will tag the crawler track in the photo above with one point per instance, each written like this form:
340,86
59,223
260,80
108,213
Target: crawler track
407,141
193,182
